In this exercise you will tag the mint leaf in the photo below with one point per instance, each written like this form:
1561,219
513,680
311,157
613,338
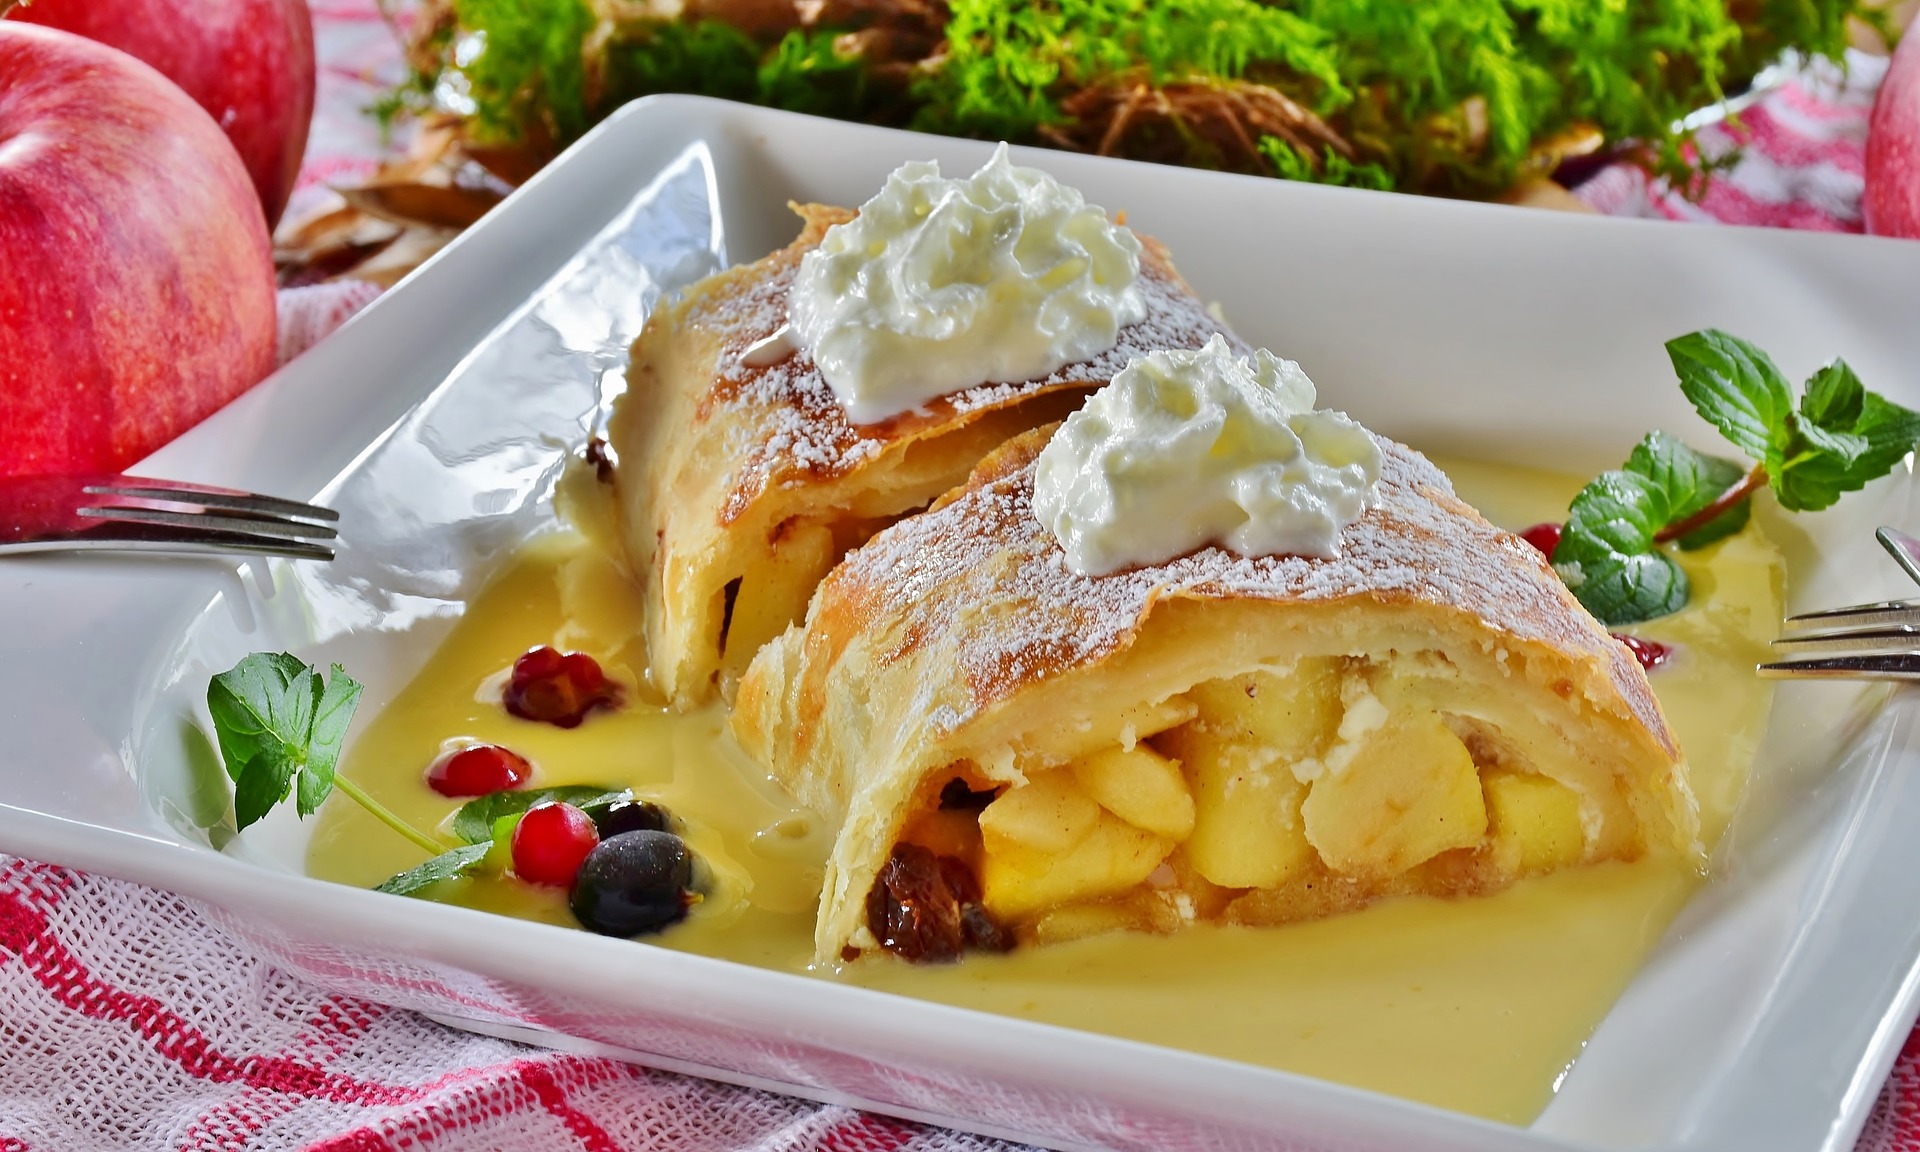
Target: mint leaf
1834,397
1607,555
1817,478
279,725
487,824
455,862
332,713
474,822
499,855
263,783
1736,388
260,704
1691,480
1808,437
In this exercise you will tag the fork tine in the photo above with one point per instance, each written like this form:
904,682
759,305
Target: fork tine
212,522
1865,642
1904,549
173,491
1901,666
1884,615
132,537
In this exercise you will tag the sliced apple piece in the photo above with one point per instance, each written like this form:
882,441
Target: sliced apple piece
1292,715
1409,793
1113,857
775,594
1075,921
1246,826
1048,814
1536,820
1141,787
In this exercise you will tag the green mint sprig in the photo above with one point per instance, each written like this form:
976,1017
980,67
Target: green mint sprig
487,822
478,820
1838,438
280,727
446,866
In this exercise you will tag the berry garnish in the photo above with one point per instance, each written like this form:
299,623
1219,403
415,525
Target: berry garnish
1650,653
550,842
558,689
633,816
478,770
1545,537
633,883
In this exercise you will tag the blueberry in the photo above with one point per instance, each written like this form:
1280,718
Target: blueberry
633,816
633,883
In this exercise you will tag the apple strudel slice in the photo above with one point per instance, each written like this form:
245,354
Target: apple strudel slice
1018,753
742,481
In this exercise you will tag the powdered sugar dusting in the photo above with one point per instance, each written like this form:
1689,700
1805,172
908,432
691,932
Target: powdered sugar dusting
799,432
986,548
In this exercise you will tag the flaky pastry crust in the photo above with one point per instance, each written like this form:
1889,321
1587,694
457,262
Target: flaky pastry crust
733,476
960,637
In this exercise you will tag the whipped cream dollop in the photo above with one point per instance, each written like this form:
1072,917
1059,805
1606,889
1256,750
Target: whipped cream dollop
939,285
1185,449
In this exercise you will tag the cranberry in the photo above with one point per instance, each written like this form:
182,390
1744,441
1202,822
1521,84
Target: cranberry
538,663
558,689
550,842
1545,537
1650,653
584,671
478,770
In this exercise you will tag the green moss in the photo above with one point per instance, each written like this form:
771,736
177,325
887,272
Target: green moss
1007,65
1447,96
526,68
1329,167
805,73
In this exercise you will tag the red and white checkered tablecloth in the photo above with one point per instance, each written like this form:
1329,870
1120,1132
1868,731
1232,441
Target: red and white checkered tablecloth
128,1020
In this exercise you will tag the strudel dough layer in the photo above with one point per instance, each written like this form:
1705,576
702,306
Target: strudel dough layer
739,487
1222,738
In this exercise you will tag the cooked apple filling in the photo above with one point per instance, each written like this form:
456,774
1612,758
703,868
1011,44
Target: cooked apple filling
1263,798
773,594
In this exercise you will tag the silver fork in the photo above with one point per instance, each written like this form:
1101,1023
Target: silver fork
1862,642
137,514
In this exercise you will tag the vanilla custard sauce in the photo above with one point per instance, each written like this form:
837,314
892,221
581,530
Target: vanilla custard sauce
1478,1005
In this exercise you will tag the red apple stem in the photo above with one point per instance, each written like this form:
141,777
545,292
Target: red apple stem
7,6
1749,484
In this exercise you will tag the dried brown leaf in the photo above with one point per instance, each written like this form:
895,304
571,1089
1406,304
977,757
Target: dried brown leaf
409,250
431,205
1540,192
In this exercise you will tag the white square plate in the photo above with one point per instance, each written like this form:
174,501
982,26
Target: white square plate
436,421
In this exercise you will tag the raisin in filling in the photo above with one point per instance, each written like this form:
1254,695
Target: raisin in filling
926,908
957,797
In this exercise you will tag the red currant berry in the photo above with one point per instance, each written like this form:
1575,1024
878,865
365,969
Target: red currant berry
1545,537
538,663
550,842
557,689
478,770
1650,653
584,671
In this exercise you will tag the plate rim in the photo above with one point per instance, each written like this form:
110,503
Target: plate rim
57,840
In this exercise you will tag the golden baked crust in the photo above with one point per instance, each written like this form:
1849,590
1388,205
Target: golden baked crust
739,487
957,644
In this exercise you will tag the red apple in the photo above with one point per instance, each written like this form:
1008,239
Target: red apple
136,277
1891,202
249,63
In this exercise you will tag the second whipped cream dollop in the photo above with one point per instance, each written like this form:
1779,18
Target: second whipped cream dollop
1185,449
939,285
